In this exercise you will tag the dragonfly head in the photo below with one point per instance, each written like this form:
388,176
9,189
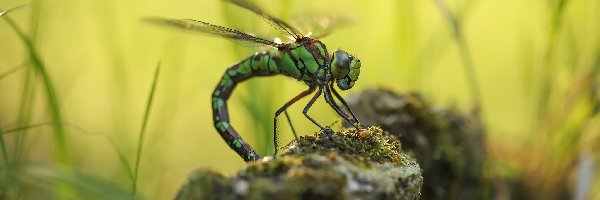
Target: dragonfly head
345,68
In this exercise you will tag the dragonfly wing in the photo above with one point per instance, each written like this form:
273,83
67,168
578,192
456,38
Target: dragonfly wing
211,29
322,24
277,23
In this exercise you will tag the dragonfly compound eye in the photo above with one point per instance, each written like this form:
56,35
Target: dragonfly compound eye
340,65
351,76
354,69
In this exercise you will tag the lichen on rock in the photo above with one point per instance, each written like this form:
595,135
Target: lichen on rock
349,164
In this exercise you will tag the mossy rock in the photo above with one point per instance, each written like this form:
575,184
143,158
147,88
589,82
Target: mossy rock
448,145
349,164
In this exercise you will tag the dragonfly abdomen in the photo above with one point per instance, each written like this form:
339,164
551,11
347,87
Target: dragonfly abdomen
259,64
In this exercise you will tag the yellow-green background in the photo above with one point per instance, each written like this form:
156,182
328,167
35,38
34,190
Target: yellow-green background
534,62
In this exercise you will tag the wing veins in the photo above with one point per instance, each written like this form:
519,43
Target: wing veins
212,29
275,22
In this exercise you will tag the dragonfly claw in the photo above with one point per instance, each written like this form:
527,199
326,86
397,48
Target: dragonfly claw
329,132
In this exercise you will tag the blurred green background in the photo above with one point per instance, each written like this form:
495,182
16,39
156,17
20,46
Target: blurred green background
91,65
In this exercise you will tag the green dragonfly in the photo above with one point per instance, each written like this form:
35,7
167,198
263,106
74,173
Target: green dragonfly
305,59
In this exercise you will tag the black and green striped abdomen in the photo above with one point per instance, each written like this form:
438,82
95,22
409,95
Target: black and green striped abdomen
259,64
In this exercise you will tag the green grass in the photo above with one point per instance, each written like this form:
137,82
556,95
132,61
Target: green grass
35,181
61,149
3,147
52,98
142,134
12,71
62,177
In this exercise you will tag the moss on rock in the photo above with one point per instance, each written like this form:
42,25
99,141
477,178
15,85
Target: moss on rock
349,164
368,143
449,145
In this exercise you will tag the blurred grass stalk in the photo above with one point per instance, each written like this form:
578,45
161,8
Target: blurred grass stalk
61,153
465,54
3,147
562,115
563,112
140,144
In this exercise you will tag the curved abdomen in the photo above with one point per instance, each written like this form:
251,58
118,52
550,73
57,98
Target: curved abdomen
259,64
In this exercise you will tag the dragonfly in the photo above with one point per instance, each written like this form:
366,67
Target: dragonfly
304,58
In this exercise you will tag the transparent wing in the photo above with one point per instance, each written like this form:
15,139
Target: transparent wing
322,24
211,29
278,24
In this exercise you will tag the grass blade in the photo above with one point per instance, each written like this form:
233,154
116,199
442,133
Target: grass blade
123,160
12,70
35,181
3,146
464,53
61,151
39,66
25,113
26,97
143,131
22,128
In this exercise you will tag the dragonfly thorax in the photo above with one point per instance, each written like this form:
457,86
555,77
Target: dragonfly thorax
311,54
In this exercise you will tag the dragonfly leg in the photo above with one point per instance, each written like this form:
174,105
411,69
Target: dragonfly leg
327,130
339,97
291,125
310,103
282,109
335,107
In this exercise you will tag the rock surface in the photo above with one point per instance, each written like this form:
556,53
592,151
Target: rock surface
448,145
351,164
